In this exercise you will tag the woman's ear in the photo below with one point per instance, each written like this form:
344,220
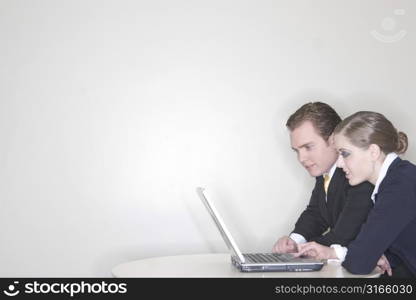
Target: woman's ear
331,140
375,152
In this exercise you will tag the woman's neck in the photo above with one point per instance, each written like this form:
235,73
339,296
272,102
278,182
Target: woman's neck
376,169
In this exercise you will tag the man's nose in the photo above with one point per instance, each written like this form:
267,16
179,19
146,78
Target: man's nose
302,156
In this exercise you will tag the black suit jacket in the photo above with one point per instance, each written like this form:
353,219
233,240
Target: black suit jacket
338,219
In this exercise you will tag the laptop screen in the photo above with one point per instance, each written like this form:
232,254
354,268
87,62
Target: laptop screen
228,239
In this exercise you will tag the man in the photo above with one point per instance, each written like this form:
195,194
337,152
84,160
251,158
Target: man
336,210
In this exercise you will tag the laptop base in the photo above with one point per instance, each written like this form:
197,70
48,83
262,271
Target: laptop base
275,267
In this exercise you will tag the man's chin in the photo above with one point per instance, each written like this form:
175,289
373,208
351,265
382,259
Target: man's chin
315,173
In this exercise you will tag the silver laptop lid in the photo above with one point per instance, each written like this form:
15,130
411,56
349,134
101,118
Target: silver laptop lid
226,235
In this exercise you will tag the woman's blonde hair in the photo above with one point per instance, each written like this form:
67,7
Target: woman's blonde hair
366,127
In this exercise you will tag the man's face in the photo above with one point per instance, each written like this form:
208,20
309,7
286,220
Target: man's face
315,154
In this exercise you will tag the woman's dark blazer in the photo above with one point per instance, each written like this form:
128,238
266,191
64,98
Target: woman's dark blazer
391,225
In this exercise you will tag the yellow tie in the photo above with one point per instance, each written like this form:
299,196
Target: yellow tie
327,179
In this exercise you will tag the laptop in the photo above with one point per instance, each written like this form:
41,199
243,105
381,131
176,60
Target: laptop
257,262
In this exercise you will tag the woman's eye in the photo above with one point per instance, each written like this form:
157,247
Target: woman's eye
345,154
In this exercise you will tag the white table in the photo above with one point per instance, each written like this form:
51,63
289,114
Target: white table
215,265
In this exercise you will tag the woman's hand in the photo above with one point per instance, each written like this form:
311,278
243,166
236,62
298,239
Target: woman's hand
315,250
384,265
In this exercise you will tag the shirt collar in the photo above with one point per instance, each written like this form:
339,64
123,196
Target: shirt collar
383,171
331,171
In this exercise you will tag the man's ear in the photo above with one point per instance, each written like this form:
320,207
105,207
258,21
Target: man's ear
375,152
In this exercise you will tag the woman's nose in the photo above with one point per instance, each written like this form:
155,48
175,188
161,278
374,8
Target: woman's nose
340,162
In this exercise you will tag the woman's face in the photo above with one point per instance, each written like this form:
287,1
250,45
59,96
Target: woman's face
357,163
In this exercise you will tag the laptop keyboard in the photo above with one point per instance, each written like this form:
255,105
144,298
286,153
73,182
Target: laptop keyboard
268,257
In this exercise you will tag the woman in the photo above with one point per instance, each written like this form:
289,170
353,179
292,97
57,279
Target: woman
368,145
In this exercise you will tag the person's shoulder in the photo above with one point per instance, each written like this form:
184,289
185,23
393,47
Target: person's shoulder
403,169
399,185
401,172
406,165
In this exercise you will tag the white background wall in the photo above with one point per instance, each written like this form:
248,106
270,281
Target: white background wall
112,112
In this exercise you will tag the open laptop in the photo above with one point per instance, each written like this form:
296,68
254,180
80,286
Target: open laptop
257,262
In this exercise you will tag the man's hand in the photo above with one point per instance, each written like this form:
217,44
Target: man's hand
315,250
285,245
384,265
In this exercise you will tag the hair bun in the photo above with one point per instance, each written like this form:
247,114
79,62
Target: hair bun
402,142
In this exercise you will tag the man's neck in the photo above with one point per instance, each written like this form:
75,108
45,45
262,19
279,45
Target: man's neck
330,168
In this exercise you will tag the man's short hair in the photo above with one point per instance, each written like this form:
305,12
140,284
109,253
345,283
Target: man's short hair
323,117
